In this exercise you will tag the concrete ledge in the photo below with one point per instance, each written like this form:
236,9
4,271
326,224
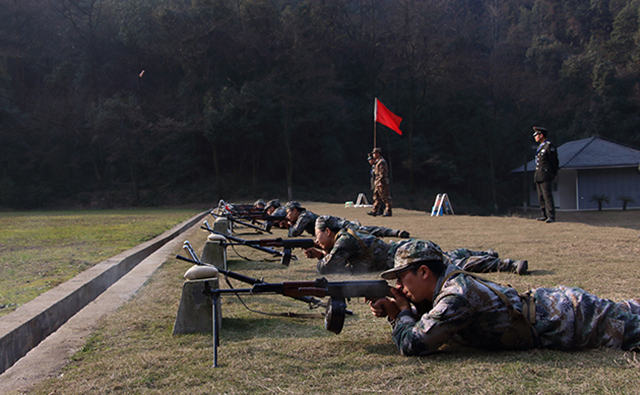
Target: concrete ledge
31,323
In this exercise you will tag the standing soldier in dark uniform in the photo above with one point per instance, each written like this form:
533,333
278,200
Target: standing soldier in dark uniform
546,170
381,192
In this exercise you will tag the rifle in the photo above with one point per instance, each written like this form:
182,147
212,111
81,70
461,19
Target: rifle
268,220
224,207
336,306
234,220
287,244
313,302
253,216
338,292
264,244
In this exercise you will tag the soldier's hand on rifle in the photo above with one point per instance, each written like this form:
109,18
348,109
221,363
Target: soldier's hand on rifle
285,224
313,253
382,307
390,307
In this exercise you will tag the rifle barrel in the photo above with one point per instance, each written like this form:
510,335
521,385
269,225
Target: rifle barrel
245,242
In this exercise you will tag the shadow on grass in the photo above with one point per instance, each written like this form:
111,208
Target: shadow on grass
240,329
540,272
251,265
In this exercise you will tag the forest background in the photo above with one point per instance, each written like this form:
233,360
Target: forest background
112,103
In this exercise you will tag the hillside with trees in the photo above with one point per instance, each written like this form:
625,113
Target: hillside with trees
140,103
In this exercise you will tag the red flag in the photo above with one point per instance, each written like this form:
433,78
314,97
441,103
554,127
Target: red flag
382,115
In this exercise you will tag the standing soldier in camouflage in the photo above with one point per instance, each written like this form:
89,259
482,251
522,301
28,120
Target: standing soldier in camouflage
490,315
546,170
299,219
372,175
381,192
344,249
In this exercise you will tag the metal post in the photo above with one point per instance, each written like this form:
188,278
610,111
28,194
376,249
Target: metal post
215,299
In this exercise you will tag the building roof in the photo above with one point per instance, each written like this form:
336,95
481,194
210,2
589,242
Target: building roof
593,152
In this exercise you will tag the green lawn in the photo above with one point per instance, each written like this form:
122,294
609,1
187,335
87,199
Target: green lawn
39,250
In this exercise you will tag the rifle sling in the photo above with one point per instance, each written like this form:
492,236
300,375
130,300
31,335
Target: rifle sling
366,251
283,314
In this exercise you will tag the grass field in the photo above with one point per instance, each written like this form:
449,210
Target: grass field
40,250
134,351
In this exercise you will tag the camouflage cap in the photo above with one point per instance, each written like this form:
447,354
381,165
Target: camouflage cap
410,253
293,204
259,202
273,203
327,221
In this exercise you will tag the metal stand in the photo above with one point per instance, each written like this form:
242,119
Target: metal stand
362,201
215,299
441,206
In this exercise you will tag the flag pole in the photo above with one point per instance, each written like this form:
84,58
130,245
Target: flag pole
375,113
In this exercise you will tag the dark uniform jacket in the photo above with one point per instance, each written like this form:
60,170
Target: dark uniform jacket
546,162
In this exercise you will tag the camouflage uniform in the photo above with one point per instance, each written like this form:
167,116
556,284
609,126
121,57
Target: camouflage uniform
379,231
347,250
357,252
306,222
381,191
279,212
480,261
465,307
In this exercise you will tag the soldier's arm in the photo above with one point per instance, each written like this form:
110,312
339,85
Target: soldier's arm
314,253
382,172
379,173
298,228
553,156
426,335
334,262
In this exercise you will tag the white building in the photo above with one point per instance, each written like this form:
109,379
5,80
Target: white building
591,167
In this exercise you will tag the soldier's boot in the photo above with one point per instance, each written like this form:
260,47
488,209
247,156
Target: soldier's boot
403,234
518,267
387,213
544,216
522,267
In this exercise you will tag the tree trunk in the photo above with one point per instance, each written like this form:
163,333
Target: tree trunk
287,145
216,169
